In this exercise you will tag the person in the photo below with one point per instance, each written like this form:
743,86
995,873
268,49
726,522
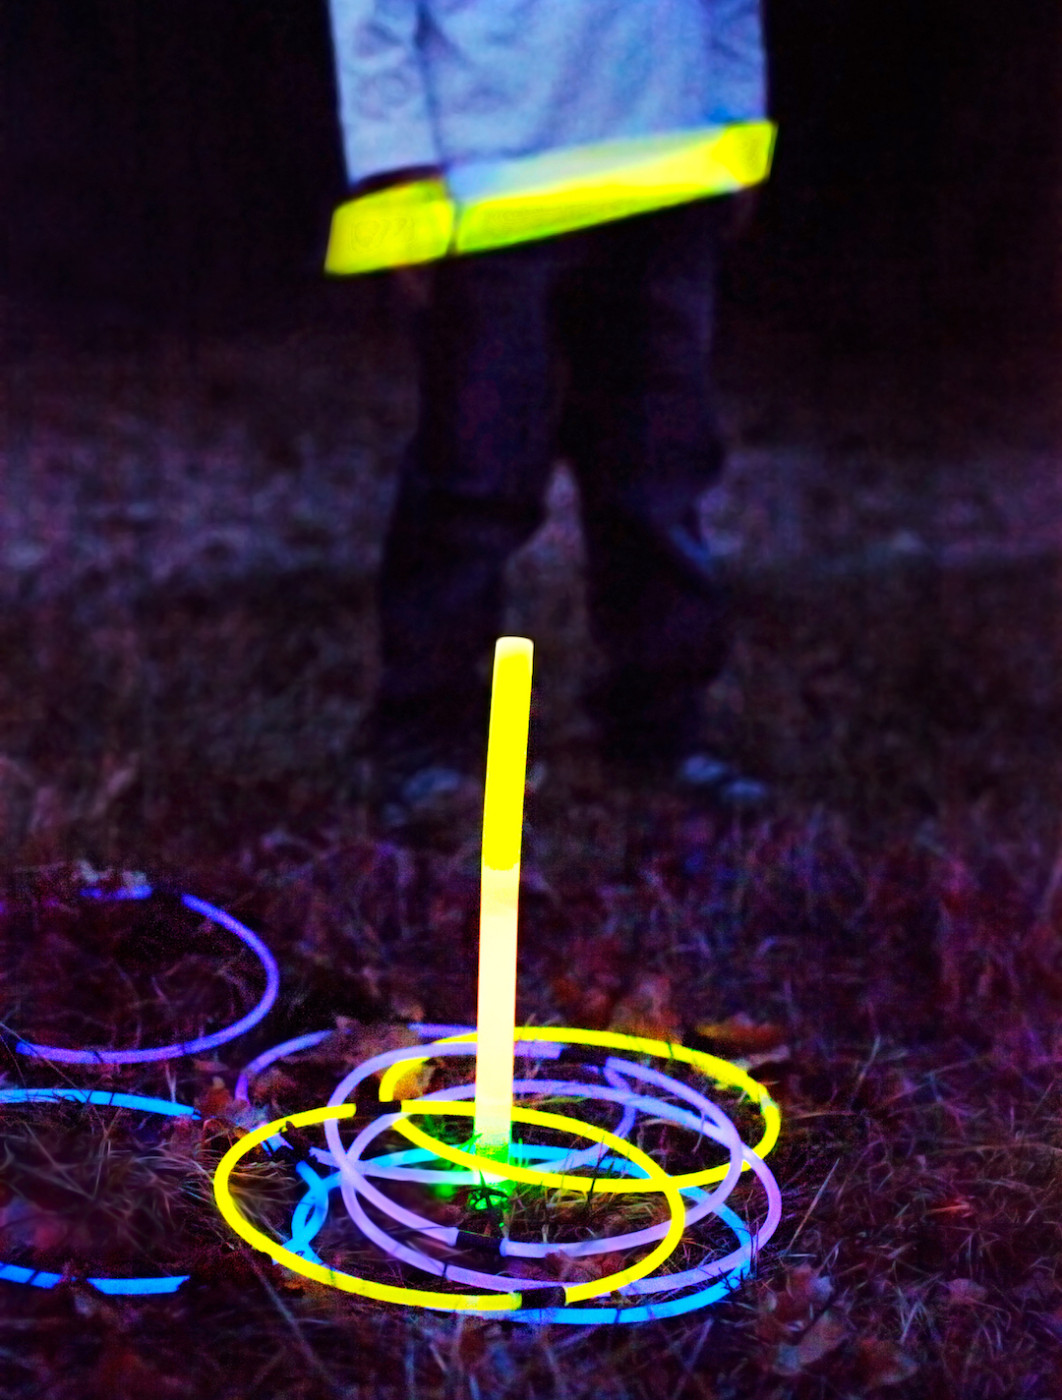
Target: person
592,346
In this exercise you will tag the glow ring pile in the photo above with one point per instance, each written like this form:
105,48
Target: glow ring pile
188,1047
348,1170
42,1278
713,1280
312,1210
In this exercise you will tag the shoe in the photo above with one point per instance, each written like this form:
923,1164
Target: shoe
438,798
699,778
704,778
433,799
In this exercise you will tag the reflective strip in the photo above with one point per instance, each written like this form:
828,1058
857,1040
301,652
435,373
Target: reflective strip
495,204
408,224
560,192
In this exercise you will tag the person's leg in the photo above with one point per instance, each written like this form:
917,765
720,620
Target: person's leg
640,430
470,493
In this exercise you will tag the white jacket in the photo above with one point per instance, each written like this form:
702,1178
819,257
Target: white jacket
446,82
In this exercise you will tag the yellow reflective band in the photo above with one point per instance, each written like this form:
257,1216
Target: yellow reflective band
499,203
563,191
426,1298
393,228
721,1072
746,149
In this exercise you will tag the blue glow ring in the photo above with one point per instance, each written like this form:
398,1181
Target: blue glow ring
60,1055
42,1278
312,1210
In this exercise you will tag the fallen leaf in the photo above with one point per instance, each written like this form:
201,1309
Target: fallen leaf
806,1292
470,1342
585,1270
741,1035
965,1292
766,1057
413,1082
215,1100
273,1085
583,1006
824,1335
355,1041
647,1009
185,1139
216,1103
884,1363
121,1370
589,985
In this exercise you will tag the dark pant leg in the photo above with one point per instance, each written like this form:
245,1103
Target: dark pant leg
641,431
471,492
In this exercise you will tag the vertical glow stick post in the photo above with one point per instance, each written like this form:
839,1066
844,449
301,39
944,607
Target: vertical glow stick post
503,814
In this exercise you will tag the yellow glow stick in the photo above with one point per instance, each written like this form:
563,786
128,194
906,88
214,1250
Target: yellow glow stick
722,1072
503,814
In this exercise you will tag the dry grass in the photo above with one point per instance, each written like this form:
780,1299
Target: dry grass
883,949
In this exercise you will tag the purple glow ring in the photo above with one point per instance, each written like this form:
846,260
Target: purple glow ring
708,1202
242,1091
306,1042
535,1049
736,1260
355,1175
544,1049
188,1047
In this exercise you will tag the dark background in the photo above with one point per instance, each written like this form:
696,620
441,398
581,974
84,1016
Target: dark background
176,163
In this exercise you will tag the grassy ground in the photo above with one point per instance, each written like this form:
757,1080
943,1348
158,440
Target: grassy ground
188,645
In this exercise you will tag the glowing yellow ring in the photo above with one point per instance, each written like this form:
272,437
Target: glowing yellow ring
477,1302
722,1072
